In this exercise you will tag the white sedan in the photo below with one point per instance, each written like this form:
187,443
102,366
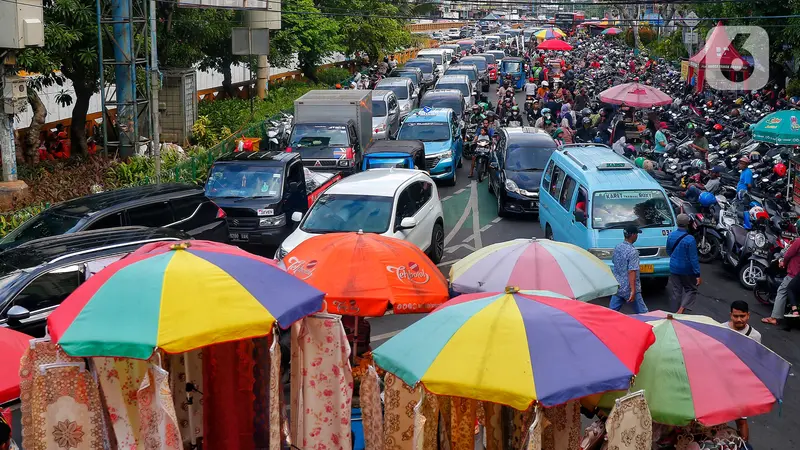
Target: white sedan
400,203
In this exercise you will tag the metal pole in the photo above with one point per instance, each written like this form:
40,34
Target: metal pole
7,147
154,86
125,77
102,80
262,75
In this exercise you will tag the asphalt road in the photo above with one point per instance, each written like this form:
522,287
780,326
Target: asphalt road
471,222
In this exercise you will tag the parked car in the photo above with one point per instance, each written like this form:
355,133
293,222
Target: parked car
400,203
385,115
36,276
183,207
403,88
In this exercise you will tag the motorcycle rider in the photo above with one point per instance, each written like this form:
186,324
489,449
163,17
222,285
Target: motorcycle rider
543,90
530,88
700,143
586,133
513,116
791,262
483,135
534,112
476,115
546,115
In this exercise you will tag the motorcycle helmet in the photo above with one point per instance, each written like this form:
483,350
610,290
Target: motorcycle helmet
586,112
646,134
693,193
530,79
690,126
707,199
713,159
698,164
735,145
739,101
598,140
779,169
545,111
586,120
639,162
718,127
648,165
755,157
757,213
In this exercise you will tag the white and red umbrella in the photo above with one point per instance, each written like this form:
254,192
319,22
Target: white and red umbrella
635,94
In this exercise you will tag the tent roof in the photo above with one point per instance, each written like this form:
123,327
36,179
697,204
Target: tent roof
718,51
491,16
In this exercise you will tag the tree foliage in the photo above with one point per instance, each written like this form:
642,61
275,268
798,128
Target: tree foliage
368,29
306,32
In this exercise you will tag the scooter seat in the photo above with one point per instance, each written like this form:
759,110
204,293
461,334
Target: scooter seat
739,234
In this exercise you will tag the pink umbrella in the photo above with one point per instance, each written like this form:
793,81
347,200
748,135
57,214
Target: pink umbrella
635,94
554,44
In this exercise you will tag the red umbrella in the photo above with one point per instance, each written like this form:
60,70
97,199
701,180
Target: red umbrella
554,44
12,346
635,94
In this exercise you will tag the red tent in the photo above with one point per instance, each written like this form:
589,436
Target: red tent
718,53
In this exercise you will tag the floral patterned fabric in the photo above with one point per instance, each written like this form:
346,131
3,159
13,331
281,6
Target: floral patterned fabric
371,410
176,366
322,384
430,409
462,429
444,426
275,395
40,352
520,424
65,411
564,432
400,400
158,425
419,427
537,430
493,425
630,426
120,379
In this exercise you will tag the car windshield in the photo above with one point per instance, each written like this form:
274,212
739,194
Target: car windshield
425,131
465,47
400,91
480,63
457,86
490,59
311,135
244,180
452,102
645,208
406,74
425,67
378,108
434,56
511,66
498,55
334,213
42,225
527,158
469,73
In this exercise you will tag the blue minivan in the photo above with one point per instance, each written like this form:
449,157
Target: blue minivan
440,131
589,194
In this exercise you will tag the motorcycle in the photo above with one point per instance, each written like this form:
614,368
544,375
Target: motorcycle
482,150
766,287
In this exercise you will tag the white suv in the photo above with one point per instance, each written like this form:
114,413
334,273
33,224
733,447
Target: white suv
400,203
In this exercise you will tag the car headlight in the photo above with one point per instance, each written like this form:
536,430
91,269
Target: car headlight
511,186
275,221
281,253
405,106
602,253
760,240
344,163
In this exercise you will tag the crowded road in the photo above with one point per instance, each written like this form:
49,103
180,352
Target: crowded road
471,222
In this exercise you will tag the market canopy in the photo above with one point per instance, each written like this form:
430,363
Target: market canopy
779,128
554,44
635,94
718,53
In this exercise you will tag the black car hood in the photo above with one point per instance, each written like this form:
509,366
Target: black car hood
249,207
528,180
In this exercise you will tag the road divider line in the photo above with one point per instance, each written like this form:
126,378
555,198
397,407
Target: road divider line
498,219
476,222
473,200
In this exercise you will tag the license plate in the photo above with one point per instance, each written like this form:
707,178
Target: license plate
241,237
646,268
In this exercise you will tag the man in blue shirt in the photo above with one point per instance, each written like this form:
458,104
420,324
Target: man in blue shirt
746,178
661,138
684,267
626,271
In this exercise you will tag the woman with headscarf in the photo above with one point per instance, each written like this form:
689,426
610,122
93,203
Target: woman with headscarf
558,136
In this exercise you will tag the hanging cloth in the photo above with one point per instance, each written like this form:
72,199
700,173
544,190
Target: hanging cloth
400,400
445,410
228,396
275,394
322,384
371,410
493,425
537,430
564,432
463,414
65,411
120,379
176,366
630,426
158,425
261,393
430,409
419,426
520,424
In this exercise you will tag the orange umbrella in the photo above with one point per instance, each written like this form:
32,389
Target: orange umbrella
362,273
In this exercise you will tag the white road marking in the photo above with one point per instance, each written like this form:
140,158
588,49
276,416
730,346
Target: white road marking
447,198
447,263
473,200
456,247
498,219
476,222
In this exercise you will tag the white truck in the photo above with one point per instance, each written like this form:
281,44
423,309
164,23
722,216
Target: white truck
332,128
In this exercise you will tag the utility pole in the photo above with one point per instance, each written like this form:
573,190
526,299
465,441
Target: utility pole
7,147
262,77
155,82
260,19
125,74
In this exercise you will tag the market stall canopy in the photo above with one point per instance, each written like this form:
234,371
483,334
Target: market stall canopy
534,264
718,53
611,31
179,297
780,128
550,33
554,44
700,370
636,95
363,273
515,348
12,346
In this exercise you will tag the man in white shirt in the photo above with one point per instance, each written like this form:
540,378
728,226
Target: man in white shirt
530,88
740,316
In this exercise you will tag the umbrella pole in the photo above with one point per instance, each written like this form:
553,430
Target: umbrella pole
189,400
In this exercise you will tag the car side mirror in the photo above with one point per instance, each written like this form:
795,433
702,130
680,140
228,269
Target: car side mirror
18,313
407,223
580,216
297,216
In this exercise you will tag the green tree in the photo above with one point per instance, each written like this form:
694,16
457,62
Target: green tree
369,29
312,36
70,49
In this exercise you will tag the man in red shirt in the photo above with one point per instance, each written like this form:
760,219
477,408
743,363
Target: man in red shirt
595,64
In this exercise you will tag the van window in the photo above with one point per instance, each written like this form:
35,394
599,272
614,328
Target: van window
567,192
109,221
548,174
582,199
645,208
556,182
152,215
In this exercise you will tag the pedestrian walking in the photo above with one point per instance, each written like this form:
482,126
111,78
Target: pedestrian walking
791,261
739,322
684,267
626,271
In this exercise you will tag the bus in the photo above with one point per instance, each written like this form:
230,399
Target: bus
567,21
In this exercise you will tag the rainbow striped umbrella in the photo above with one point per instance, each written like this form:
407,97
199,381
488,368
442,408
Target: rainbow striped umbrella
534,264
179,297
700,370
550,33
515,348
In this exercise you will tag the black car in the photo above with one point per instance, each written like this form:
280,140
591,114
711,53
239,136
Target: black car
36,276
445,98
516,168
181,207
483,69
428,67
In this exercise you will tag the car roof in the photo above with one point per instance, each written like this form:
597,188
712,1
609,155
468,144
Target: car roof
454,78
275,157
432,115
41,251
381,94
442,93
400,145
583,160
529,135
462,67
422,59
396,81
379,182
87,205
512,58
